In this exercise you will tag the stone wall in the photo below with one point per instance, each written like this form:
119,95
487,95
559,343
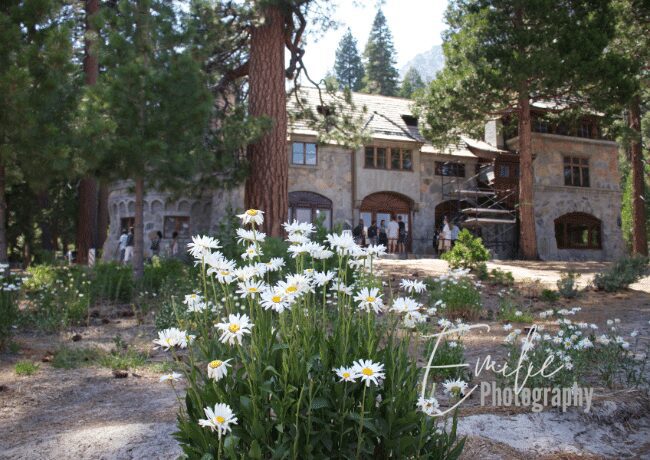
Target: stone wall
552,198
157,205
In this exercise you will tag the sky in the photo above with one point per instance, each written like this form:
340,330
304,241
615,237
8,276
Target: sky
415,24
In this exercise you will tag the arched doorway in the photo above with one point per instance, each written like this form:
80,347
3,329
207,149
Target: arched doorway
451,209
382,205
310,207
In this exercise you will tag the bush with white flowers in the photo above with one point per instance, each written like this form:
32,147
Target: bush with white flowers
302,360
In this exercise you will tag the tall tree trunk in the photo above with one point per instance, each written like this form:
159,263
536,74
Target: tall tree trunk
87,217
527,237
3,218
102,215
267,185
138,229
639,234
47,239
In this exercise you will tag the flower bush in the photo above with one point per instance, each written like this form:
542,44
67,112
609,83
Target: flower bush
455,294
584,354
277,367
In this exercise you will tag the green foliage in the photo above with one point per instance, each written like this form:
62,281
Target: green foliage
450,352
566,285
459,295
495,277
412,84
549,295
122,357
8,313
282,388
510,312
381,75
348,65
72,358
112,282
468,252
26,368
621,274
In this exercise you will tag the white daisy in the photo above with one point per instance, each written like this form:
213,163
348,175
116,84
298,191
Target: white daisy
413,286
251,236
405,304
346,374
368,371
322,278
219,419
303,228
252,216
218,369
343,243
173,337
224,271
455,387
172,377
234,328
376,250
430,406
250,288
202,246
251,252
274,300
370,299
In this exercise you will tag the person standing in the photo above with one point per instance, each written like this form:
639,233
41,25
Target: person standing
372,233
173,247
383,237
357,233
454,234
122,244
401,235
446,236
155,244
393,233
128,252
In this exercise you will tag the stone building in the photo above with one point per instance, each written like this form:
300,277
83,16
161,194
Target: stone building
474,183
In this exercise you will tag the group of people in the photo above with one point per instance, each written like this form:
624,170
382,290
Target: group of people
126,244
392,235
445,237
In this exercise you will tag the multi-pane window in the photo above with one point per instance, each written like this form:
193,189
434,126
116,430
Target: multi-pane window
179,224
576,171
401,159
388,158
376,158
304,153
450,168
578,231
584,130
310,207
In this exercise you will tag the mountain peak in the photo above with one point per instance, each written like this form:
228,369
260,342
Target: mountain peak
428,64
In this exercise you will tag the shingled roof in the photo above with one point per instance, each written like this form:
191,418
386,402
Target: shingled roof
385,118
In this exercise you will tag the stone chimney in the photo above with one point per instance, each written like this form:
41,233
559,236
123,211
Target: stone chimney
494,133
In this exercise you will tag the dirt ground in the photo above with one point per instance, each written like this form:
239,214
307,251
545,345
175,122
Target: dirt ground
88,413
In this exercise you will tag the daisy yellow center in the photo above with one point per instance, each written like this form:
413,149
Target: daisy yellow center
346,375
252,212
370,299
292,289
234,328
168,340
252,289
216,363
219,419
225,272
251,251
367,371
276,298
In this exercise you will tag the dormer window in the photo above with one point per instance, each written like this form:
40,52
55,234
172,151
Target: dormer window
410,120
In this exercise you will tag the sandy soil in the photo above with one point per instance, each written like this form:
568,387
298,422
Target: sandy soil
88,413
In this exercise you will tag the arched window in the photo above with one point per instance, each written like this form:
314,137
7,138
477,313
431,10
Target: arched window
310,207
578,230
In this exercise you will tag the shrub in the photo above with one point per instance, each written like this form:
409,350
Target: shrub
566,285
621,274
72,358
162,274
112,282
510,312
8,312
499,277
458,293
280,382
26,368
468,252
549,295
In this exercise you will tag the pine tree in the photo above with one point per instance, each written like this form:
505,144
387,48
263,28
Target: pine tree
155,103
503,55
381,76
412,84
348,67
39,90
